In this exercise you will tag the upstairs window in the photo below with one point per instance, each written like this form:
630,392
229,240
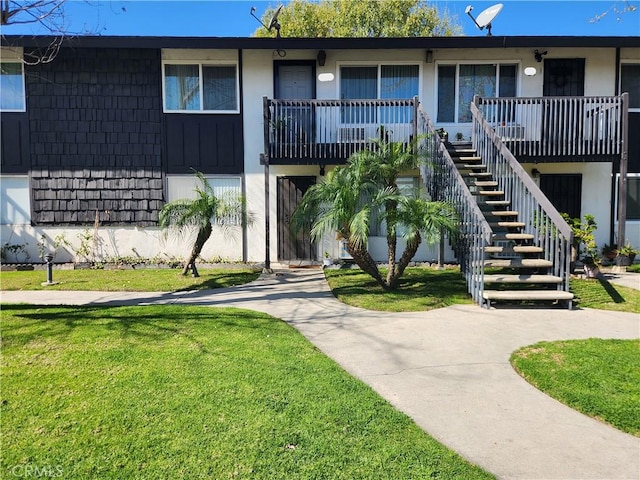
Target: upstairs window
630,82
12,98
197,87
378,82
457,84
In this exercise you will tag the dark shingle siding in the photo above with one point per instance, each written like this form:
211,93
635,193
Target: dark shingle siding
96,137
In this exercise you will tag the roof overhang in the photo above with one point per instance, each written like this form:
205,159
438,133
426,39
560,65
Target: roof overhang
253,43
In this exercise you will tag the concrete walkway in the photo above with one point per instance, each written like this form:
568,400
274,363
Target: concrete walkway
448,369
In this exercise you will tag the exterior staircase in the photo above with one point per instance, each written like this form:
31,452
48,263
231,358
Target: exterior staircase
514,268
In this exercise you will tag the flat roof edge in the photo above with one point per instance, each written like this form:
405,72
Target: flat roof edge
322,43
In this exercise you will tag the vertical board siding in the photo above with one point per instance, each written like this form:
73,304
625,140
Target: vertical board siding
95,128
14,143
209,143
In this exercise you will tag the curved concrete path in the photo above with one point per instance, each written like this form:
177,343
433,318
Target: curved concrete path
448,369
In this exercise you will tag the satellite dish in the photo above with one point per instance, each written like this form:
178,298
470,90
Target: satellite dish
273,23
486,16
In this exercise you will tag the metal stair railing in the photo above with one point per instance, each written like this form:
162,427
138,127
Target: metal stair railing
445,183
542,220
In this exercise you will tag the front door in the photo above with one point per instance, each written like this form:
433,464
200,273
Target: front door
564,191
295,82
293,246
563,77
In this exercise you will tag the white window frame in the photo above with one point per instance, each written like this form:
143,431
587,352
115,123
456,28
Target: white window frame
24,87
15,182
403,182
363,131
379,65
200,64
627,62
191,181
457,64
617,198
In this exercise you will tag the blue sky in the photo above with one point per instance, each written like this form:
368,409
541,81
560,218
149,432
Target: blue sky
231,18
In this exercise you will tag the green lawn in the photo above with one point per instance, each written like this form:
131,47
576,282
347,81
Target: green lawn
142,280
195,392
603,295
598,377
427,289
420,289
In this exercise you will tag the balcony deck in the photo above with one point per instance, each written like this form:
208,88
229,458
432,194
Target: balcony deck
556,129
328,132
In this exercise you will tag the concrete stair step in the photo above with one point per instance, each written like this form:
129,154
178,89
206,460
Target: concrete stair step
504,213
467,159
513,236
520,249
547,279
461,151
517,263
473,166
483,183
525,295
507,224
478,174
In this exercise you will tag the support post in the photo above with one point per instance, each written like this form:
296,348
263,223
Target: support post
622,181
267,224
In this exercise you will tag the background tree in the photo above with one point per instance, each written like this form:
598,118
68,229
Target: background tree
354,196
361,18
200,214
48,13
618,8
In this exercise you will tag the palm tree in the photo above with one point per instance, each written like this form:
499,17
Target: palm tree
201,212
367,188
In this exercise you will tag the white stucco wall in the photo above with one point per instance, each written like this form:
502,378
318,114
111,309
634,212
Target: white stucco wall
258,82
257,77
114,242
596,190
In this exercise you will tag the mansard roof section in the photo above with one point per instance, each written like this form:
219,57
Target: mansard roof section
322,43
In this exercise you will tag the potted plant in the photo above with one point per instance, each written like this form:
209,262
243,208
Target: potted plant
443,134
626,255
327,260
583,234
609,251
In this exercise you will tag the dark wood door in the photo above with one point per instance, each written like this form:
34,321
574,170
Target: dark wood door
563,77
293,245
564,191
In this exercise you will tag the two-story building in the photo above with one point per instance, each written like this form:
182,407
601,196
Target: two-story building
109,131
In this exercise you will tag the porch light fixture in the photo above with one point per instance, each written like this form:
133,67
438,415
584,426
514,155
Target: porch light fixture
322,57
535,173
530,71
326,77
537,54
429,56
322,170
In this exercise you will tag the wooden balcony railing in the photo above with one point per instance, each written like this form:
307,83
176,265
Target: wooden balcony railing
542,220
330,131
556,126
445,183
